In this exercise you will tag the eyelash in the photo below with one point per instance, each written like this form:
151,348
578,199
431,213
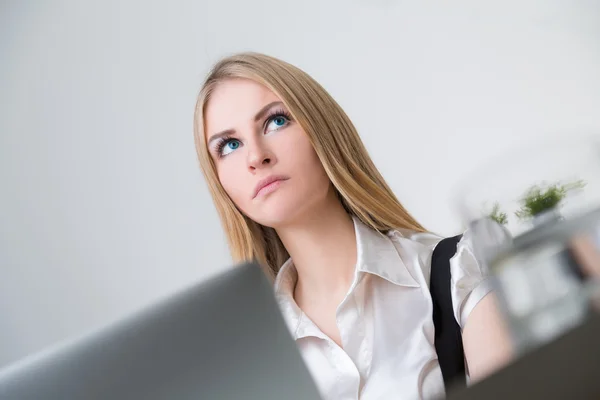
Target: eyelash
277,113
272,115
221,143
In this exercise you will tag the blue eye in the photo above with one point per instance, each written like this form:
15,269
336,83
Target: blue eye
227,146
277,122
234,144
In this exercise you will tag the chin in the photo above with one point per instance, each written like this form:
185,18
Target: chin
277,215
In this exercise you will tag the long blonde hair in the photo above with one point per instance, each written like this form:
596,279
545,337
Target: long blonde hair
359,185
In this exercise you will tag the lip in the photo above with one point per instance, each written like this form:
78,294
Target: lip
266,182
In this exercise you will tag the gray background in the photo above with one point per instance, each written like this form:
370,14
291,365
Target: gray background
103,207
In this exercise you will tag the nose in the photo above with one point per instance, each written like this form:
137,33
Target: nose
260,156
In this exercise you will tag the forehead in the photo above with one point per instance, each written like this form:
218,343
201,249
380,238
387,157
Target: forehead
234,103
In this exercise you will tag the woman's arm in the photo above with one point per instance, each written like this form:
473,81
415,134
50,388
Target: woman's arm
486,339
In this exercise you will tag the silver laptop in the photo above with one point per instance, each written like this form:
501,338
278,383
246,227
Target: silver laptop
222,339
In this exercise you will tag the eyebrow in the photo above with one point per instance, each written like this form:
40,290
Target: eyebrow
219,135
259,115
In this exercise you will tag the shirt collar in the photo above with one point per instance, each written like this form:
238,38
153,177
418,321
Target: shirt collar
284,293
376,254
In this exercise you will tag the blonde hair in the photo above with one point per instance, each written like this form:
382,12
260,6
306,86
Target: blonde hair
359,185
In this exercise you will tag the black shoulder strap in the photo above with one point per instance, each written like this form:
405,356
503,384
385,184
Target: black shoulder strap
448,337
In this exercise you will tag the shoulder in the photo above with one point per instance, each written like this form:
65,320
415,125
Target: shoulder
422,242
470,276
470,280
420,247
475,244
417,247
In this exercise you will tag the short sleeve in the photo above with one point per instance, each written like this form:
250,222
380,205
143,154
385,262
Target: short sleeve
470,280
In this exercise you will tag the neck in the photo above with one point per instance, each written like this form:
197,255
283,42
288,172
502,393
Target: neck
323,248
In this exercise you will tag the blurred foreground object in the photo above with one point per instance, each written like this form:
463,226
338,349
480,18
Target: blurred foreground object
546,201
221,339
567,368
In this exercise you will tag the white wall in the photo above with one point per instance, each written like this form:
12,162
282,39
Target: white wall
102,205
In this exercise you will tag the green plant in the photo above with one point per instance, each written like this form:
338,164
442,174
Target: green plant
540,199
497,215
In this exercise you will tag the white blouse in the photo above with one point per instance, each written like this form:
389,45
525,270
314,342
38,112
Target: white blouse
385,320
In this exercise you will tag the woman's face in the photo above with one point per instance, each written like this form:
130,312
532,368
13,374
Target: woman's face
263,158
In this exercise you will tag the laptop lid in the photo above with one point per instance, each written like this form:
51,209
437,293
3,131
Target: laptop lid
224,338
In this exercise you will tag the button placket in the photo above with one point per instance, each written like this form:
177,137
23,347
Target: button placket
347,375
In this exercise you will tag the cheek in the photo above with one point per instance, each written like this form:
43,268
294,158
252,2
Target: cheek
228,172
306,164
308,159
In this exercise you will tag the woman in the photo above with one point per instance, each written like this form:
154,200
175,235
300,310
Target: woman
296,190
